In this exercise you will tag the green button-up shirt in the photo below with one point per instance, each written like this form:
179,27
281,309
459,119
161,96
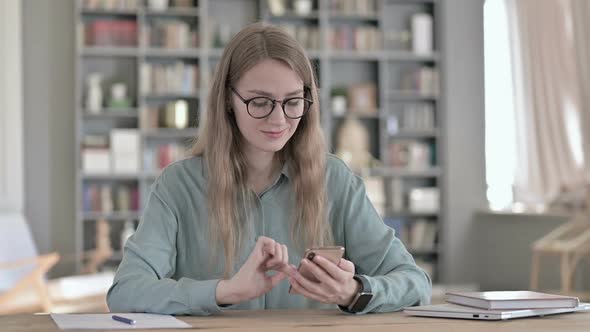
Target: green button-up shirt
167,266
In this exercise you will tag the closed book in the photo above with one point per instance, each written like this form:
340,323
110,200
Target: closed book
500,300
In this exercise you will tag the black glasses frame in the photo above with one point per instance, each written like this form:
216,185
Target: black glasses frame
274,103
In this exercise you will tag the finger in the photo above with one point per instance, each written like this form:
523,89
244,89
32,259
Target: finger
297,288
277,258
309,285
285,255
320,274
346,265
333,270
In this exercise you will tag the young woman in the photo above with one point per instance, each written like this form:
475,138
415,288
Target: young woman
226,227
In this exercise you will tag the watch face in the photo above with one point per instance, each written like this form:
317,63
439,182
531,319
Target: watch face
362,302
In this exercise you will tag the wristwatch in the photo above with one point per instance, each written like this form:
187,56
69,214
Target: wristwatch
362,298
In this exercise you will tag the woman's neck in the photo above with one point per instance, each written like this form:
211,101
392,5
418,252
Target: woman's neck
262,168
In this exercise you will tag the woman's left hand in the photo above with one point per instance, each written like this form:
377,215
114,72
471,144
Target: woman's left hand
336,283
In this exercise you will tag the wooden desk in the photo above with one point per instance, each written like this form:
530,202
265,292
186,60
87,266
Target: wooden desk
331,321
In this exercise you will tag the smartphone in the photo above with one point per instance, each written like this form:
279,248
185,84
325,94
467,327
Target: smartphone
332,253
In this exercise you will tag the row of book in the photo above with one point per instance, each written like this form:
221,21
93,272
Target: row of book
355,38
157,157
132,4
412,154
107,198
417,235
308,36
416,199
110,32
402,196
115,153
413,117
424,81
171,34
353,7
178,77
110,4
175,114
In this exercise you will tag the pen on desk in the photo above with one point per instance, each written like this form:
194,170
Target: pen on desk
124,320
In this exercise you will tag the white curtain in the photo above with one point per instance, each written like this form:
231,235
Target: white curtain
548,97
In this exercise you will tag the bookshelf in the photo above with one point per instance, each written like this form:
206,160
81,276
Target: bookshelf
358,48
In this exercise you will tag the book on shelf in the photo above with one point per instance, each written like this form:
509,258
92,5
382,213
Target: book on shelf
170,34
500,300
174,115
362,98
307,36
410,154
355,38
353,7
125,151
110,4
110,32
424,199
157,157
107,199
422,235
96,156
424,81
375,193
176,78
411,117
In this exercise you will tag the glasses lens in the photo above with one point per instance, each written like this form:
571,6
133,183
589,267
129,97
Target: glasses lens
296,107
260,107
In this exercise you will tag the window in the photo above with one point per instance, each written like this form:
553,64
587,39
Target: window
500,136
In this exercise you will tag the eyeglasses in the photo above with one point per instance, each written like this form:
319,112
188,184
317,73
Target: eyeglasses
261,107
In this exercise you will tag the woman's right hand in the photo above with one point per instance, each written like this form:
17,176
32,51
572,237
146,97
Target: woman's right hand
252,281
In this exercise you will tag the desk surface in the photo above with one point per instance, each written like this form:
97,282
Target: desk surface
328,321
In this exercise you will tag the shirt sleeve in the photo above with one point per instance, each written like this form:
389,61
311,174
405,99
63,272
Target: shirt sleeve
144,283
396,281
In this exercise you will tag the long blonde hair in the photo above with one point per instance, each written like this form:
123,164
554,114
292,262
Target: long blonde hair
220,144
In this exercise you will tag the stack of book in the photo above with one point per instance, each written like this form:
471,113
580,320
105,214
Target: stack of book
511,300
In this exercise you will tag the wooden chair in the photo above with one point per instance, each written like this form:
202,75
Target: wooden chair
570,241
23,283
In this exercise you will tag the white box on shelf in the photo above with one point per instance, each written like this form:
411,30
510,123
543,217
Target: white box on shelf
424,199
125,151
96,161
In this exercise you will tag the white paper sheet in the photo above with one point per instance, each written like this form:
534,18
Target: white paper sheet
106,321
